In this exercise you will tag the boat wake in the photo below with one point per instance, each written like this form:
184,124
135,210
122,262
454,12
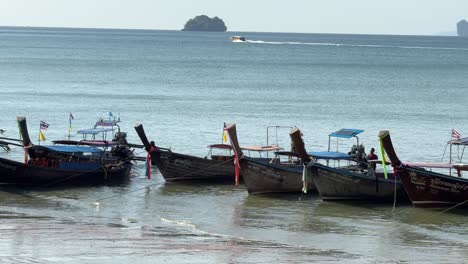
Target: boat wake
188,224
349,45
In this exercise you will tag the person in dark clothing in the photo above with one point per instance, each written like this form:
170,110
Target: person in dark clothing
372,156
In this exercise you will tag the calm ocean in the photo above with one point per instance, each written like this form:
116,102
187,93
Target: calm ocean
182,86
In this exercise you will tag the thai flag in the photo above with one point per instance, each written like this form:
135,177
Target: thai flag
44,125
455,134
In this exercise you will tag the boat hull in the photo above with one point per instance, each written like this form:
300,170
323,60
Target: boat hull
344,184
180,167
20,174
431,189
263,177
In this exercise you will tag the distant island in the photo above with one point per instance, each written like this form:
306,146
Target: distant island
462,28
205,23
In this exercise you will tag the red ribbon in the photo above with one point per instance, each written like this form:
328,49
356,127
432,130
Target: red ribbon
148,163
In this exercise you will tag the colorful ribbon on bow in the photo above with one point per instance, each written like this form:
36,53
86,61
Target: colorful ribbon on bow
236,167
148,163
384,162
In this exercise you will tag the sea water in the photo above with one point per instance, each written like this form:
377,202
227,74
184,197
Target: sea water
182,86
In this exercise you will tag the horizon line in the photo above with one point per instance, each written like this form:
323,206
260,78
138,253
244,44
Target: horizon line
147,29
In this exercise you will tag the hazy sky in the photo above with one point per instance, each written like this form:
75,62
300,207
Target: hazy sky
413,17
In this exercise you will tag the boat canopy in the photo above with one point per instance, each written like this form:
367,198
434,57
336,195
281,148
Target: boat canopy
346,133
461,141
98,143
71,149
94,131
106,123
330,155
262,148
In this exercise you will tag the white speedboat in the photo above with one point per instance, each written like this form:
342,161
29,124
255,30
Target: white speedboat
237,39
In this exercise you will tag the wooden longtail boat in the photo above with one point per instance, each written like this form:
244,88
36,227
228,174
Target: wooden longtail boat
69,165
426,188
63,173
267,177
182,167
353,182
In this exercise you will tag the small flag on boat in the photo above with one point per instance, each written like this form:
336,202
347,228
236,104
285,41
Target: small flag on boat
44,125
224,135
41,136
70,118
455,134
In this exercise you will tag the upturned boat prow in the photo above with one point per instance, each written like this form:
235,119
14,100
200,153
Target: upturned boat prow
142,135
232,133
298,142
23,128
387,144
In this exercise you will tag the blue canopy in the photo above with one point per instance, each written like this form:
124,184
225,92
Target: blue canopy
330,155
94,131
346,133
70,149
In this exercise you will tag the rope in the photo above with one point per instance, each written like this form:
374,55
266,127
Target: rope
448,209
120,194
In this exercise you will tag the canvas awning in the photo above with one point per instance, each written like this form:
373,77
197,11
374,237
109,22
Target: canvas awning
262,148
331,155
346,133
93,131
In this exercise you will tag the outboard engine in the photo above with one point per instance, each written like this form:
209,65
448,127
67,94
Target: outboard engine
120,138
122,151
359,155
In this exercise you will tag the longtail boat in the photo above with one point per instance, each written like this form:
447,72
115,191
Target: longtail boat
65,165
427,188
356,182
182,167
272,176
51,173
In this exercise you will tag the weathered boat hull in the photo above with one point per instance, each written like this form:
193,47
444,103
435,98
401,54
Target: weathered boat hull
263,177
180,167
343,184
20,174
431,189
426,188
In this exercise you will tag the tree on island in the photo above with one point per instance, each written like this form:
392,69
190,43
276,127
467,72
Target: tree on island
462,28
204,23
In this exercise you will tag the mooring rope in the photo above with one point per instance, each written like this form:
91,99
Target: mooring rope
395,174
156,184
450,208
